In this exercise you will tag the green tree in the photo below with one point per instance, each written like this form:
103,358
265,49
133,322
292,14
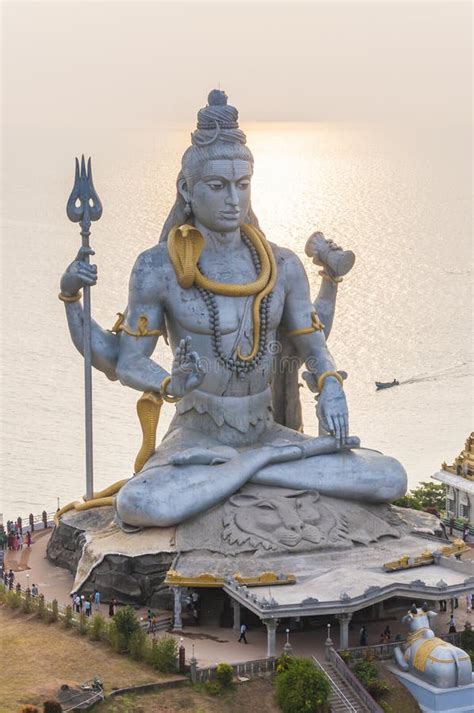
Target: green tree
426,495
302,688
163,654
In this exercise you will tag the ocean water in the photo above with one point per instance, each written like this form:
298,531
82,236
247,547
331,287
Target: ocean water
400,198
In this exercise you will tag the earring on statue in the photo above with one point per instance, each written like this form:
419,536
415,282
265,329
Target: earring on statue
187,209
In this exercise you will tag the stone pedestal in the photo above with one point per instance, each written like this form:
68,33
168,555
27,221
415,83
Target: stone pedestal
437,700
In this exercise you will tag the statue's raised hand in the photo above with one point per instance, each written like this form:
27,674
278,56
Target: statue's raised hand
332,410
187,371
78,274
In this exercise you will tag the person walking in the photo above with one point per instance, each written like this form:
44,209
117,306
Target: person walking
88,607
452,625
112,604
96,600
77,604
28,539
243,631
363,637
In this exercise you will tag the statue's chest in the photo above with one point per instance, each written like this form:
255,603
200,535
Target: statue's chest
191,310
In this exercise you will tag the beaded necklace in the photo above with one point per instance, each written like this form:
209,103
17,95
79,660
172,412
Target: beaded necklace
235,364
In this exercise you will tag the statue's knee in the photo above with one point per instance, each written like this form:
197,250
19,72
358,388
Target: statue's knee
395,480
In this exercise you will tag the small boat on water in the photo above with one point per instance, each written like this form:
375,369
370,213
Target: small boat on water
386,384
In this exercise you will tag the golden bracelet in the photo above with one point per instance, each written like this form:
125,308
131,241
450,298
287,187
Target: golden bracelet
142,327
316,326
166,397
324,376
326,276
66,298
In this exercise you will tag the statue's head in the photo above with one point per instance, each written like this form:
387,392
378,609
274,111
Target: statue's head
213,186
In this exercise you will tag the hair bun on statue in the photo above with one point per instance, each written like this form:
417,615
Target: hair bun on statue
217,122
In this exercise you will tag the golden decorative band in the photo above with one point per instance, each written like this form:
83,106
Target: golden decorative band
142,327
325,375
166,397
67,298
326,276
316,326
424,652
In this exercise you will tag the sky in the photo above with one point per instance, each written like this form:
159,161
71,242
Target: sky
136,64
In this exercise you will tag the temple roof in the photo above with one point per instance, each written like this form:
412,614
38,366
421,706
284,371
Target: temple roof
464,463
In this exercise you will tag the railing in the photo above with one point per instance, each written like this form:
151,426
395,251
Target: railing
31,522
336,688
244,668
353,682
385,651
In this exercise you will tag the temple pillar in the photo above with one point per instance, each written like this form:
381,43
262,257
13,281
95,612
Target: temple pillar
177,619
236,608
271,625
344,620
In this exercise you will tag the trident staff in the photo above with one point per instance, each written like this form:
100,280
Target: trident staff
83,207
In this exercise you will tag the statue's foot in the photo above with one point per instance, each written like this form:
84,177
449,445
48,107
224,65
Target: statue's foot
329,255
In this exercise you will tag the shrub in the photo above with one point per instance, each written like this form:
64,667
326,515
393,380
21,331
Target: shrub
213,688
3,593
68,617
467,640
97,627
126,622
346,656
52,707
83,624
163,654
13,599
53,613
138,645
225,675
283,662
116,639
366,671
302,688
27,604
378,688
41,607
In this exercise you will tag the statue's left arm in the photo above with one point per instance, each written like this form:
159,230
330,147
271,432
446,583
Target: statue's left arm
306,334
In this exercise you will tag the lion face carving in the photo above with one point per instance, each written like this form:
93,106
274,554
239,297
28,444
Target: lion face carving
296,521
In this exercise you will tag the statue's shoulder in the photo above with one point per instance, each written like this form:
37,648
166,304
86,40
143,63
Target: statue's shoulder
155,258
288,262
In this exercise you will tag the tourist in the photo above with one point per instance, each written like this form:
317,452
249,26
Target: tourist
88,607
28,539
96,600
11,576
452,625
387,634
77,604
469,603
242,637
363,637
20,541
442,604
112,605
34,590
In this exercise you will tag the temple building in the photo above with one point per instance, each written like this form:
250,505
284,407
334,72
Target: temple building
459,481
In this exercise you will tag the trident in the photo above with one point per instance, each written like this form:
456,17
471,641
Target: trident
83,207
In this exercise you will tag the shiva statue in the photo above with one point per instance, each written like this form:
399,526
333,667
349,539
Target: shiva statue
226,299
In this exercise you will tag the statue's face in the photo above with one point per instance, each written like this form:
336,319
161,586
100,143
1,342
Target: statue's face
220,199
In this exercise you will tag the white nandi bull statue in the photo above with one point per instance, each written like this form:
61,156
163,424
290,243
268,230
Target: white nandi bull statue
435,661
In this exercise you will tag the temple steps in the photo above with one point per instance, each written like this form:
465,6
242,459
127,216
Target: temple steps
343,698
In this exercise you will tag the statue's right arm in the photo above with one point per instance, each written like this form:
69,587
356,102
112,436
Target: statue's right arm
104,344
